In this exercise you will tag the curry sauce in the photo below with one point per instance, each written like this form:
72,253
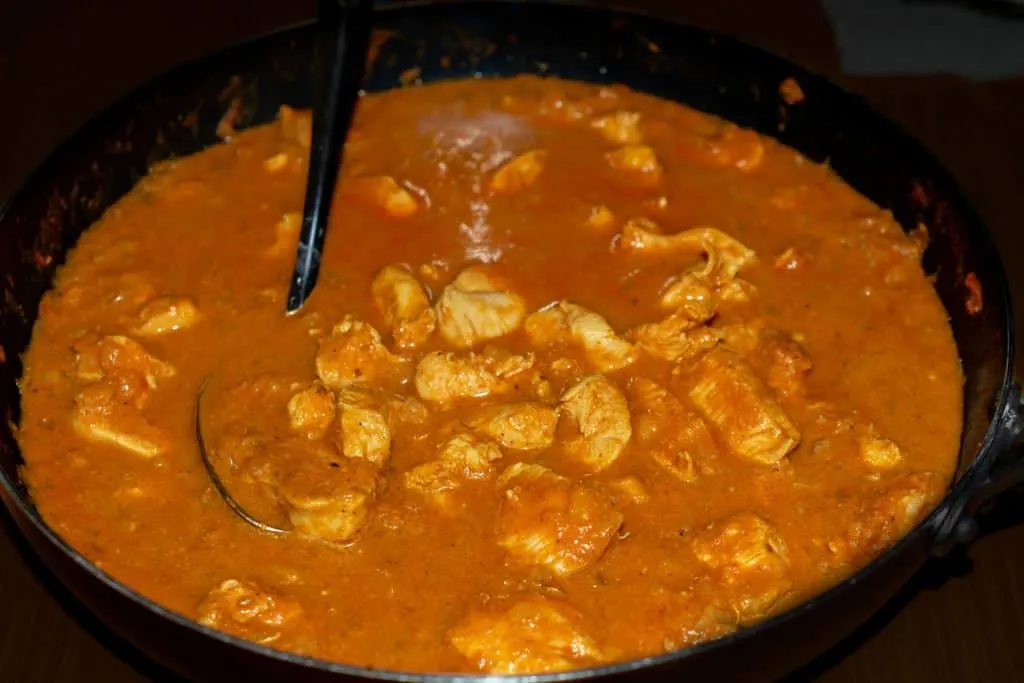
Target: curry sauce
588,375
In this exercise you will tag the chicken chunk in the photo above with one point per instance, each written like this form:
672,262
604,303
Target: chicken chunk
726,256
601,219
102,413
879,453
461,459
629,489
675,338
602,415
286,235
622,127
545,519
365,431
244,609
276,163
784,362
519,173
385,193
674,436
742,337
749,559
741,407
328,499
519,426
403,302
167,314
884,517
122,360
639,162
536,635
689,295
474,308
311,411
442,377
506,364
605,349
353,354
737,147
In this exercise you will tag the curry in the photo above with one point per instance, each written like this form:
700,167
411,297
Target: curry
588,376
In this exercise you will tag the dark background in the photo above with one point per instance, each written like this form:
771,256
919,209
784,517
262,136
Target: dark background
62,61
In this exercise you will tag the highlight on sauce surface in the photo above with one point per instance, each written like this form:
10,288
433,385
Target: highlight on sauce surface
588,376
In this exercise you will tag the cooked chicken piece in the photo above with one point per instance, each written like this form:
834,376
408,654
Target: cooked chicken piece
519,173
749,559
742,408
737,291
565,321
725,256
714,622
474,308
103,413
548,326
120,359
737,147
622,127
353,354
328,500
384,192
286,235
461,458
365,432
244,609
520,426
536,635
601,219
675,338
311,411
167,314
408,410
744,541
404,304
881,453
602,415
545,519
742,337
688,295
880,521
906,502
603,347
674,436
629,489
276,163
639,161
442,377
784,362
542,389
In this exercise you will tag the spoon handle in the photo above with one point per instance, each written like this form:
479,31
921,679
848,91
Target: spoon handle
342,41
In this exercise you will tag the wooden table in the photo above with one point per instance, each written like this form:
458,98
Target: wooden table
62,61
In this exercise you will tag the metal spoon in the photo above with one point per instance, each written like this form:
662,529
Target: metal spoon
218,483
343,39
342,42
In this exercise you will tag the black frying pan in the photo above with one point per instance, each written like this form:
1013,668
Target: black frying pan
178,114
